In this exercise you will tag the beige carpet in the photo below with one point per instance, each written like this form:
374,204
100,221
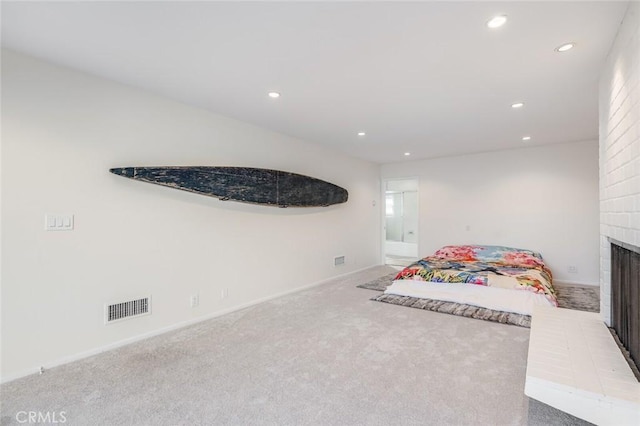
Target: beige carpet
323,356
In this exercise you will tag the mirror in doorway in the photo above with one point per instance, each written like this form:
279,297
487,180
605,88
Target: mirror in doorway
401,221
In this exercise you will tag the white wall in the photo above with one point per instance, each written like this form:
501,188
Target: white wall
61,132
620,148
544,198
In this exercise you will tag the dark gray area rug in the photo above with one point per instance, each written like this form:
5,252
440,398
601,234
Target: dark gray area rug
379,284
579,297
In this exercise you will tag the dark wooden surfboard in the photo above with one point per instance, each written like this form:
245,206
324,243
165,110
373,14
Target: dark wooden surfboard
244,184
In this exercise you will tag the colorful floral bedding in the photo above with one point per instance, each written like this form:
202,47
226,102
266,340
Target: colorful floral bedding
492,266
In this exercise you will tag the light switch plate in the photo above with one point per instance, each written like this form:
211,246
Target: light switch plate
58,222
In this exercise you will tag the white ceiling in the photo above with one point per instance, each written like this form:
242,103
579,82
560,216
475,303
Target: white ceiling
422,77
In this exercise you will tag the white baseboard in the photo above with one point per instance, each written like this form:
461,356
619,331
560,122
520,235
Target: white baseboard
139,337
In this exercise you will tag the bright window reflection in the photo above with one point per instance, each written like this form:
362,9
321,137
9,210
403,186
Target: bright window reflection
389,205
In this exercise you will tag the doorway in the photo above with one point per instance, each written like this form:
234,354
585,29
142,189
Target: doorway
400,221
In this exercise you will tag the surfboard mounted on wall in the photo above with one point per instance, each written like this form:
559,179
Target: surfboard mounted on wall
243,184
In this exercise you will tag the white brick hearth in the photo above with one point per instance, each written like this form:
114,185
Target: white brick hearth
575,366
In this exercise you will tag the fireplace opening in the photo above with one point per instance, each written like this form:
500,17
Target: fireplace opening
625,301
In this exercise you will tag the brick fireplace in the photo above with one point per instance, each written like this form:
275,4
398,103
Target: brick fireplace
619,149
591,378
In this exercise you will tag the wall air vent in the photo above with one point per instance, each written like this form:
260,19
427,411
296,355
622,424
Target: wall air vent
124,310
339,260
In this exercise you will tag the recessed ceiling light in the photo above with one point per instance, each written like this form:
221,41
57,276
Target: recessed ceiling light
517,105
497,21
361,133
274,95
526,138
565,47
407,154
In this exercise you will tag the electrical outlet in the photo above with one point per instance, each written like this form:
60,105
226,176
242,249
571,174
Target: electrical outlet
224,293
572,269
194,300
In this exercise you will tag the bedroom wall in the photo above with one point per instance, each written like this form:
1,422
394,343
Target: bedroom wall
61,132
543,198
619,148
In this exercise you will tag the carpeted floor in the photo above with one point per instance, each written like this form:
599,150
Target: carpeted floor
324,356
580,297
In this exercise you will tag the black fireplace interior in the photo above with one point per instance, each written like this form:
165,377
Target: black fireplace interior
625,297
